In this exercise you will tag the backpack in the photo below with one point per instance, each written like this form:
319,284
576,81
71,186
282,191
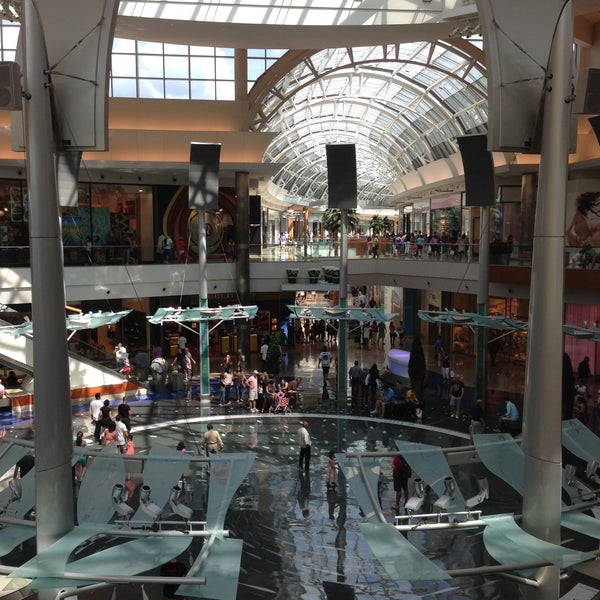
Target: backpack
157,366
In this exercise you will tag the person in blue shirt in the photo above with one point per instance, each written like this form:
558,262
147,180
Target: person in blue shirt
389,397
511,415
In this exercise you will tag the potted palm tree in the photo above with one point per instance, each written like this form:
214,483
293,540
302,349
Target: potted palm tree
313,275
332,222
292,275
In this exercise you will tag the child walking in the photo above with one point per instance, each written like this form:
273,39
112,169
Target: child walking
331,478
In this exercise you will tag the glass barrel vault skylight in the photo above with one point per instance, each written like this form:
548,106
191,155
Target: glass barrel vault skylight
401,105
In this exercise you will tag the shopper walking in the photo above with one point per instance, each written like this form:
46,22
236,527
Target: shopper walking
303,438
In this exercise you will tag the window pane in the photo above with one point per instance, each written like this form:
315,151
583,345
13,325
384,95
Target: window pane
202,50
224,51
202,90
176,49
150,48
121,45
224,68
202,68
122,65
150,66
177,88
256,67
152,88
10,36
225,90
124,88
177,67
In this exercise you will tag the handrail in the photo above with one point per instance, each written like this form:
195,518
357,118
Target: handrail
316,250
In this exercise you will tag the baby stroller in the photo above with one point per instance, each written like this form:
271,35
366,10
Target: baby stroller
282,403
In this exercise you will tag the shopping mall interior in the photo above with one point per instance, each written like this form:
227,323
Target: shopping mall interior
457,240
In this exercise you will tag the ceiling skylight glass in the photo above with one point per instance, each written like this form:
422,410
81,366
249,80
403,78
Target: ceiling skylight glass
403,106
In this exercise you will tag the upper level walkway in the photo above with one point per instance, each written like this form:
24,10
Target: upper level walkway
270,273
313,250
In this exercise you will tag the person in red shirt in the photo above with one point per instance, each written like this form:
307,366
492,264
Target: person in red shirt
181,251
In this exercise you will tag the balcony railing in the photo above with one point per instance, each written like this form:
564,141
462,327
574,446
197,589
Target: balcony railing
314,250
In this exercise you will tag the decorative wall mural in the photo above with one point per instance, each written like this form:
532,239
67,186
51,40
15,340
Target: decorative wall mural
181,222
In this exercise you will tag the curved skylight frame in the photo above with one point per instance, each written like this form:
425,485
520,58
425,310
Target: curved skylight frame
403,106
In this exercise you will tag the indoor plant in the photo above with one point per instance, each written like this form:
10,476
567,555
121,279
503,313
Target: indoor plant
292,275
313,275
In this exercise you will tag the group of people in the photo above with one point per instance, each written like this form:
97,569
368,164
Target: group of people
308,331
258,392
111,428
397,402
507,421
169,250
184,361
417,244
374,334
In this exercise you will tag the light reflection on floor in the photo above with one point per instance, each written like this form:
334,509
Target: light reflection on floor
301,541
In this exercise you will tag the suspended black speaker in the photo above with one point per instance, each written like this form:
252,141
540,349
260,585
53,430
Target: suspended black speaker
204,176
480,189
341,175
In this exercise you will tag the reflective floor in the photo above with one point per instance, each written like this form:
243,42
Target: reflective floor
301,540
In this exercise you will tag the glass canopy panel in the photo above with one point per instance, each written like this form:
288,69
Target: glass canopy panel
401,560
579,440
430,463
503,457
221,570
403,106
507,543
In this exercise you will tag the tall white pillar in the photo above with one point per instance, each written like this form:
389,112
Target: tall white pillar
53,432
542,411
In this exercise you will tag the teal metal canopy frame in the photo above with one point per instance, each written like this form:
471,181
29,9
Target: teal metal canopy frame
202,314
78,322
340,313
501,323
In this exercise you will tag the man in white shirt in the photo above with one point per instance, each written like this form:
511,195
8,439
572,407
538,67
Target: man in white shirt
325,360
122,434
303,439
120,355
95,406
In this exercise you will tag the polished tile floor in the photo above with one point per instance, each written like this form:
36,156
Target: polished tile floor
300,539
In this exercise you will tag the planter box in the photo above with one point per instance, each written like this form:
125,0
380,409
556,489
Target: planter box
292,275
332,274
313,275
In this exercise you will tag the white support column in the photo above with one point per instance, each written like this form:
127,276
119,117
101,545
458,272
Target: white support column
53,433
543,376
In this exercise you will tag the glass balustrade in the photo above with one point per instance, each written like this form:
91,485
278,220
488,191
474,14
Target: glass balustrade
312,251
